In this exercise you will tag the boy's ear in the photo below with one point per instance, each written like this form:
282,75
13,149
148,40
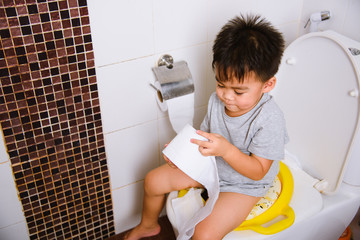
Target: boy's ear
269,85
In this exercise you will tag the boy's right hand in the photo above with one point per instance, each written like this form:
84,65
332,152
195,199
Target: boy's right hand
170,163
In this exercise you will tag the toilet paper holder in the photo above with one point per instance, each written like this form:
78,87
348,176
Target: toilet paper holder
172,79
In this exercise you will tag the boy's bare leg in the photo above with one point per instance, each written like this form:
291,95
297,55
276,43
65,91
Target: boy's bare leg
230,210
158,182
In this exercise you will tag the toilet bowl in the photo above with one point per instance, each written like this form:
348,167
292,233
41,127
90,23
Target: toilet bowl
318,91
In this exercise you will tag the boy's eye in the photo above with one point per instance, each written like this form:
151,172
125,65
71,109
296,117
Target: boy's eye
238,93
220,86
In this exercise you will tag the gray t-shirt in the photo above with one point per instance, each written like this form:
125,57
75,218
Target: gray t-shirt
261,131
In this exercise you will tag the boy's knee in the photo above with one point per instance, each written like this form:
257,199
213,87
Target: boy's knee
150,182
201,234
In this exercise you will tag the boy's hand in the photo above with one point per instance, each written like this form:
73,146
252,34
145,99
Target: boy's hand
216,146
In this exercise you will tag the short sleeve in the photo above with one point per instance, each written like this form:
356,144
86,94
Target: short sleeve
270,139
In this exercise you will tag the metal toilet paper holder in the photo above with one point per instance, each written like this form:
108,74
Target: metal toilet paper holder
172,79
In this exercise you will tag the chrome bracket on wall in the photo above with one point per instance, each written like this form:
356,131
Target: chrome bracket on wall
166,60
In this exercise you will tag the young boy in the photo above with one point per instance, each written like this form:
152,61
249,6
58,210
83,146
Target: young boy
244,127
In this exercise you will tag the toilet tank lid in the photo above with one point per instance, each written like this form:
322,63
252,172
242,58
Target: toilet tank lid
299,65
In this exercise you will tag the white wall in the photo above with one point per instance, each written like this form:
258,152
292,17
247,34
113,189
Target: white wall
128,37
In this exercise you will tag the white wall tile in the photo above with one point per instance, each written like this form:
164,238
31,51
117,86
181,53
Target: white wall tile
16,231
220,13
290,32
268,9
9,202
271,10
179,23
210,75
126,97
4,157
127,202
121,30
352,20
131,153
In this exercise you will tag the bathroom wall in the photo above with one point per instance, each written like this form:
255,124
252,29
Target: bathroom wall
128,38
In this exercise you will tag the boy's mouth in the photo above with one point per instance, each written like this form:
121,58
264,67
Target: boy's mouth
229,104
230,107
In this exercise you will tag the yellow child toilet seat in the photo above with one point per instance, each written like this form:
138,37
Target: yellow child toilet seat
274,204
279,207
267,201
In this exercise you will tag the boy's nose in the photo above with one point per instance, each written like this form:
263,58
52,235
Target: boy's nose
228,95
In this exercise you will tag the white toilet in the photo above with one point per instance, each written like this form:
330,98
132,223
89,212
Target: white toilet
318,90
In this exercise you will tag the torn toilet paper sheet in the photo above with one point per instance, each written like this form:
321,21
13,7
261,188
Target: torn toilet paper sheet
186,156
185,207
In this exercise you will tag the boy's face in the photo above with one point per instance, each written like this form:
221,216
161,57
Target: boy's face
240,98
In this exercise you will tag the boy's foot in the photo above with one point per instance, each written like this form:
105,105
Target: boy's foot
140,232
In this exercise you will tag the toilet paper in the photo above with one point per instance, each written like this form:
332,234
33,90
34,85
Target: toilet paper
186,156
175,93
181,111
185,207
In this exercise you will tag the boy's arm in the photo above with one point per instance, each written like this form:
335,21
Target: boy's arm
253,167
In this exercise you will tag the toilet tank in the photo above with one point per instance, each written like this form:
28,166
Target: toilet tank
318,88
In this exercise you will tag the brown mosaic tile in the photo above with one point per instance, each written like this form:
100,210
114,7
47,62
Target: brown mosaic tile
50,117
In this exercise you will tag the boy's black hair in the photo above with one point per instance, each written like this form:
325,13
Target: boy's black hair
245,45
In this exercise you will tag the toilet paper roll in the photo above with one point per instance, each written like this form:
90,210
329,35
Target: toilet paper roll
180,110
175,93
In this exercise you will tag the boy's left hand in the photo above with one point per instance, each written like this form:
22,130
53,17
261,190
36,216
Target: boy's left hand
216,146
